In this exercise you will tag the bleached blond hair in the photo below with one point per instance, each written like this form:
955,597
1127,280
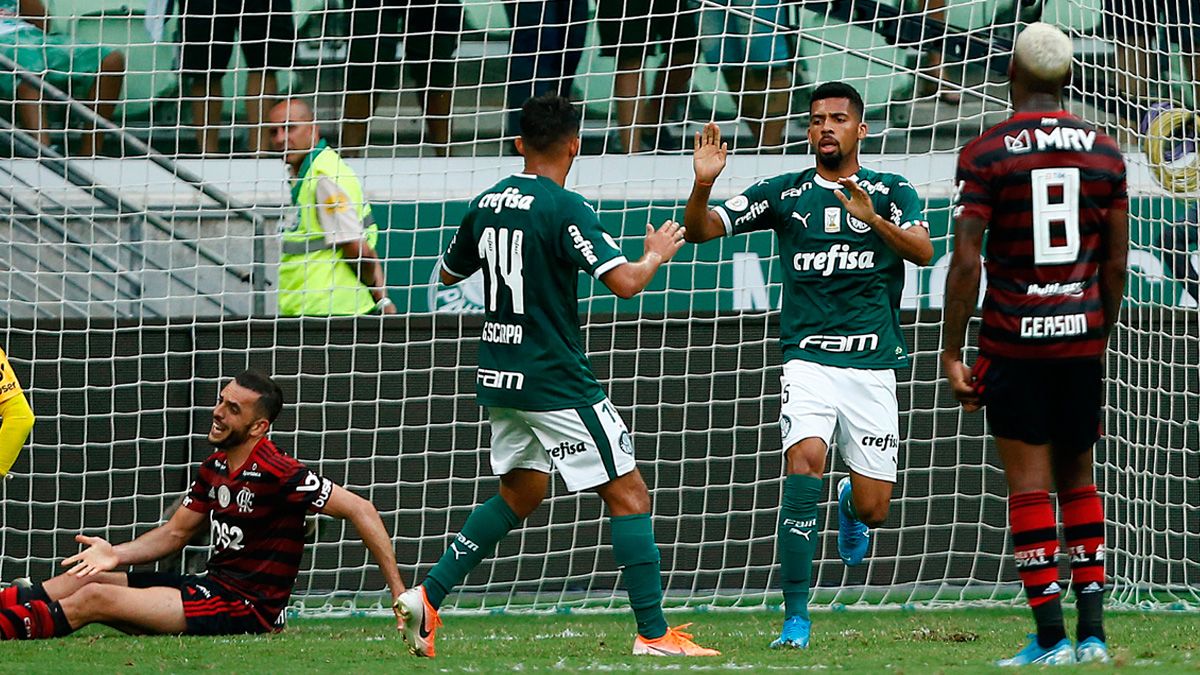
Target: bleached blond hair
1044,51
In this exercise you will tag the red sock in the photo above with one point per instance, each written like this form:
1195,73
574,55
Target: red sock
8,597
1083,527
1035,543
31,621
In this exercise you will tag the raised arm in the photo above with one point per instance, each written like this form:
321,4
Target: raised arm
628,279
708,160
101,556
362,514
962,293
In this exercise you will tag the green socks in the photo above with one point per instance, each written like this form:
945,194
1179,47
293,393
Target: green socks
797,540
637,557
490,522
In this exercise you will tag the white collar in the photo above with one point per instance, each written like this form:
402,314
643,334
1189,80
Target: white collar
524,175
830,184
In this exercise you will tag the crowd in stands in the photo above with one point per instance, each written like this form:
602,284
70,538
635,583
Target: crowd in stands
752,43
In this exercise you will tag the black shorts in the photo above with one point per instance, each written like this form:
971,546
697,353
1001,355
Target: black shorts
430,30
210,608
1042,401
264,31
637,28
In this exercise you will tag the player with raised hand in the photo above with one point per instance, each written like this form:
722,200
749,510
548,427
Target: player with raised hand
531,237
1050,190
254,499
844,233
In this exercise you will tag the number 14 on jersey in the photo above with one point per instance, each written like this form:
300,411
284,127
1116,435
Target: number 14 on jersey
500,249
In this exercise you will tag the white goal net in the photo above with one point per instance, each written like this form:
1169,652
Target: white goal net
134,283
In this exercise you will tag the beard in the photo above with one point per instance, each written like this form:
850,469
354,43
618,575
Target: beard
832,160
234,437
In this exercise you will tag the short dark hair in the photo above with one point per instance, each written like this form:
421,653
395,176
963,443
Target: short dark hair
270,396
546,120
838,90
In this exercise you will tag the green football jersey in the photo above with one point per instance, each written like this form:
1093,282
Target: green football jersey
531,237
841,282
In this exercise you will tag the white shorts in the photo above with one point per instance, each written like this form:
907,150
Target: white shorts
853,407
589,446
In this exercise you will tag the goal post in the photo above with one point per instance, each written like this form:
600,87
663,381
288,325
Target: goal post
121,334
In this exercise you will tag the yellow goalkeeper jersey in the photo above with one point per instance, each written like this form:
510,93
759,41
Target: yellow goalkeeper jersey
9,386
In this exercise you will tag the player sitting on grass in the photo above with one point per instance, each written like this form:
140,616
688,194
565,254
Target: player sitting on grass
844,233
530,236
255,499
1050,190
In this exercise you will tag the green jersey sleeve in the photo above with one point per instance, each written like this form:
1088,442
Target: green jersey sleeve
461,259
750,211
905,206
586,243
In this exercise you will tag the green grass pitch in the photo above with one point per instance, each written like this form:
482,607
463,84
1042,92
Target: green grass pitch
926,642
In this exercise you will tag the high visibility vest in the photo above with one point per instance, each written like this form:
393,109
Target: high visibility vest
314,279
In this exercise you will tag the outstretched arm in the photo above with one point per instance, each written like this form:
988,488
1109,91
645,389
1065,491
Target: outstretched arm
345,504
101,556
708,160
629,279
962,292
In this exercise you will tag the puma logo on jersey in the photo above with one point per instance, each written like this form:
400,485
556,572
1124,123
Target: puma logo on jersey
802,218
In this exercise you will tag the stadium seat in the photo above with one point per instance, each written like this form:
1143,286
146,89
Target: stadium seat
150,73
594,83
972,15
487,16
1076,16
884,85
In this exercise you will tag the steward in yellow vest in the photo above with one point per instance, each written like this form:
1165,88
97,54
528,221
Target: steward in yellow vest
327,264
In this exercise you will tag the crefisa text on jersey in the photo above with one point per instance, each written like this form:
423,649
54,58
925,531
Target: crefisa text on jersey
502,333
581,244
838,257
510,198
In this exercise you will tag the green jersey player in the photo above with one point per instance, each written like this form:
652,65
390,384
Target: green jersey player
531,237
844,233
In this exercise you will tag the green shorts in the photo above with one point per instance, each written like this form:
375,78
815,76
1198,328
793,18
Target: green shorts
70,66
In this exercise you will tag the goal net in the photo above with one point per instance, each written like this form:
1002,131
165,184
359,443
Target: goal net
133,284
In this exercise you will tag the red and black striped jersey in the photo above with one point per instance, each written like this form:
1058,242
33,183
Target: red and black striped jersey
1044,183
256,517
